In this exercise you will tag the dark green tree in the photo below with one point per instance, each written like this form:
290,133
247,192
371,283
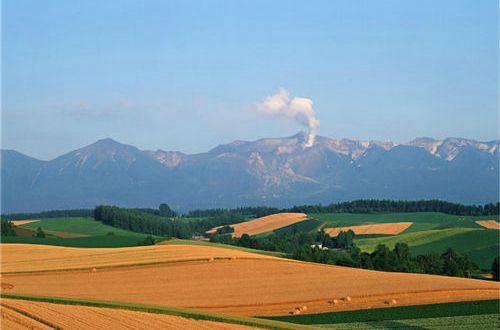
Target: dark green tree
166,211
7,228
40,233
495,268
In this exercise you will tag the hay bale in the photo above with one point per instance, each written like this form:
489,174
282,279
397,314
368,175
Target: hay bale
347,298
334,301
296,311
210,259
93,270
303,308
390,302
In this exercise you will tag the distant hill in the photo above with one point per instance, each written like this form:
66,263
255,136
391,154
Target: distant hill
270,171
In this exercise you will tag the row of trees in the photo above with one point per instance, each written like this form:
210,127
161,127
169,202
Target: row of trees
164,211
141,222
147,222
343,251
376,206
356,206
256,211
364,206
84,213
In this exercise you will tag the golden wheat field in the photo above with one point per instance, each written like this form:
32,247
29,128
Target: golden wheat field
31,257
264,224
22,222
393,228
248,284
490,224
22,314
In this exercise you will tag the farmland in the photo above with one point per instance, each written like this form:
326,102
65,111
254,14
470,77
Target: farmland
84,226
380,229
265,224
266,285
480,244
490,224
464,315
33,314
421,220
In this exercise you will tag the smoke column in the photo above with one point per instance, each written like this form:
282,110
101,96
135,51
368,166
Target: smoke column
298,108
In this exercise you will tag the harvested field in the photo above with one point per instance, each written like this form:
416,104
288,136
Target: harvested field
264,224
31,257
22,222
22,314
23,232
259,285
490,224
382,228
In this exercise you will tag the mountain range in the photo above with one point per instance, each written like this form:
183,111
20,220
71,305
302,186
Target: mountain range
270,171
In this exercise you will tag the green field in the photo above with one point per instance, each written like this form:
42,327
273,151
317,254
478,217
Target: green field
432,311
85,226
412,239
97,234
484,322
421,221
83,242
481,245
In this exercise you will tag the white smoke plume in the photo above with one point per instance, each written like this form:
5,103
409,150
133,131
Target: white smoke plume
298,108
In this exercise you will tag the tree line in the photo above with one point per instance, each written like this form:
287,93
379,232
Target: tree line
364,206
356,206
141,222
153,223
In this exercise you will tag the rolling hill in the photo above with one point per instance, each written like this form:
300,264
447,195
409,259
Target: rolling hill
241,283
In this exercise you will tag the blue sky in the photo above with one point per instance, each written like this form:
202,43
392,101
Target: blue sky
186,75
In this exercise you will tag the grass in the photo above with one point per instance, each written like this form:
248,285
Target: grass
176,311
303,226
484,322
466,308
82,242
85,226
421,220
176,241
481,245
412,239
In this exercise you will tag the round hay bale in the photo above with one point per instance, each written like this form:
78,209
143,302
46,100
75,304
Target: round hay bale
210,259
93,270
335,301
233,258
347,298
393,301
297,311
303,308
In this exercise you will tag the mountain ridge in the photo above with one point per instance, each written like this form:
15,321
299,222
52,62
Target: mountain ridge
271,171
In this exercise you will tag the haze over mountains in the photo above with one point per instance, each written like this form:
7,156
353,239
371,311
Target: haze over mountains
271,171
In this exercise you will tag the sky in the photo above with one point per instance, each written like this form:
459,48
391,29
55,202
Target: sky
189,75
